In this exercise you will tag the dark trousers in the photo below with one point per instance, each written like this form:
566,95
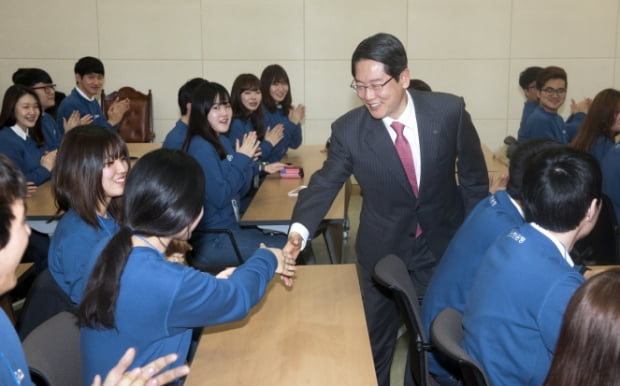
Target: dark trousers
382,315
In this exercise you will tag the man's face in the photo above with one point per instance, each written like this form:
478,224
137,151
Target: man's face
552,95
382,95
90,84
11,254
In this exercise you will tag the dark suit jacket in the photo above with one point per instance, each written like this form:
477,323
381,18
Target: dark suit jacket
360,145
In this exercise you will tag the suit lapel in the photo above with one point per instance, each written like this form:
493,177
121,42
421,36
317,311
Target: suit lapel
428,134
380,143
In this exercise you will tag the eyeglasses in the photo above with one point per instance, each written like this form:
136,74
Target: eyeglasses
361,89
556,91
49,88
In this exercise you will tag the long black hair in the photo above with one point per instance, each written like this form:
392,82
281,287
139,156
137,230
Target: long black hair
164,194
204,98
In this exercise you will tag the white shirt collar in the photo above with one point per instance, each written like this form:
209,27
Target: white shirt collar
557,243
516,205
21,133
407,117
83,95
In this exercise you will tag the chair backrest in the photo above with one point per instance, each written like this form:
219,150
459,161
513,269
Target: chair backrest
392,273
45,299
446,335
53,351
137,123
214,269
602,245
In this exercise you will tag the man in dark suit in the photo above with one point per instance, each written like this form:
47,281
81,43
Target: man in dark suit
410,208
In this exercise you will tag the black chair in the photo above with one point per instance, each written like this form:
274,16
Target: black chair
53,352
45,299
392,273
215,268
446,335
602,245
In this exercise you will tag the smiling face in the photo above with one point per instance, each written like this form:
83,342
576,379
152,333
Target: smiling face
388,100
90,84
113,178
12,253
552,95
278,91
251,99
27,111
219,116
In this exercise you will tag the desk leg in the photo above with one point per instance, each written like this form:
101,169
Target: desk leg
333,235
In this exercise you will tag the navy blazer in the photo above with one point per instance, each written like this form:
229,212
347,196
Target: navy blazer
361,146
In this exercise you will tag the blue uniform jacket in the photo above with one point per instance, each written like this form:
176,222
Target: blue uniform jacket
75,101
70,247
514,311
25,155
160,302
292,133
449,287
226,180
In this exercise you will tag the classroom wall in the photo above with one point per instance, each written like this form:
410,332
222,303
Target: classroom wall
473,48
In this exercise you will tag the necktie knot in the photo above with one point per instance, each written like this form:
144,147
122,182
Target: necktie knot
398,127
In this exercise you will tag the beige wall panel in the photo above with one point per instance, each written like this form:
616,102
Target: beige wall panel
481,82
248,29
491,132
459,29
48,29
328,91
317,131
560,28
335,28
163,78
150,29
162,127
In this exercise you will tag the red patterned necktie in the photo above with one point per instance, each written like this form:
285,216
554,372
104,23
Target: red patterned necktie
406,158
404,152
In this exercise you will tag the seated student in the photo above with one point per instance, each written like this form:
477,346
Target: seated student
278,109
527,82
229,172
135,297
491,218
21,137
44,87
245,100
598,131
513,314
88,183
89,75
544,121
13,239
174,139
588,349
610,168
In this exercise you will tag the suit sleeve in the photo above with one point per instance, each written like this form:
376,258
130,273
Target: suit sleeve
471,168
314,201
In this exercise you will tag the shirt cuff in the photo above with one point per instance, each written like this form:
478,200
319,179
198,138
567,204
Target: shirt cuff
302,230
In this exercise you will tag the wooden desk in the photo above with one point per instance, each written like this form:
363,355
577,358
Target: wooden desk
22,271
272,206
41,205
312,334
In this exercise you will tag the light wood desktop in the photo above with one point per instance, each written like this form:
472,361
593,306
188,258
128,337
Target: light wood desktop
312,334
41,205
272,205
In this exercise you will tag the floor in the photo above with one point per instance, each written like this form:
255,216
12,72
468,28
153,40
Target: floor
349,256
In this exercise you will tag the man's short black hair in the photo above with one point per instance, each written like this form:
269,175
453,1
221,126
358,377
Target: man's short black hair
89,65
